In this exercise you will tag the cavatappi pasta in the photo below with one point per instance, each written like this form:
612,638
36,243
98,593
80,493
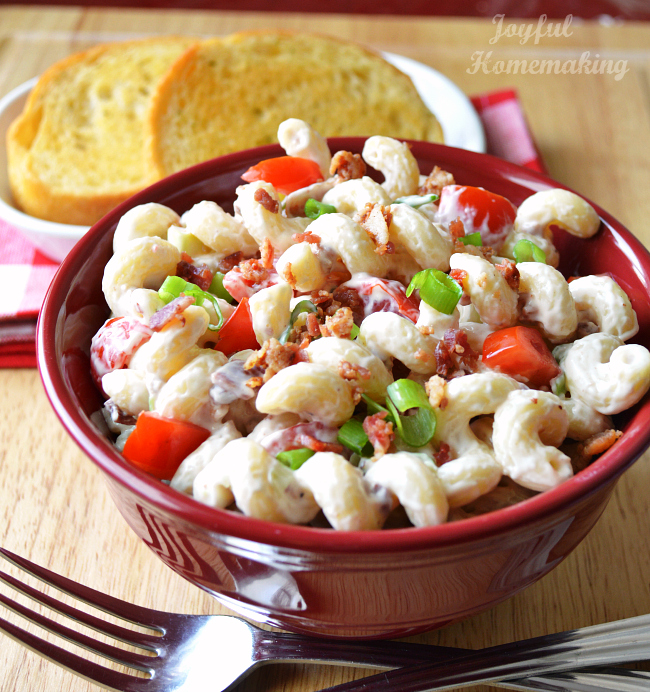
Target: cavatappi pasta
354,354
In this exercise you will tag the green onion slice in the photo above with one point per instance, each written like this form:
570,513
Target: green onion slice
416,429
302,306
314,208
373,407
558,385
354,332
352,435
526,251
295,458
174,286
437,289
217,288
416,201
472,239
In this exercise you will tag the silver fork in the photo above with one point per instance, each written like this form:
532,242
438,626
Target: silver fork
182,648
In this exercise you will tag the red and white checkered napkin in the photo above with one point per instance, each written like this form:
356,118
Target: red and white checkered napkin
25,273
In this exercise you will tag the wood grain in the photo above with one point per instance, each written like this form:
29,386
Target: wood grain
594,134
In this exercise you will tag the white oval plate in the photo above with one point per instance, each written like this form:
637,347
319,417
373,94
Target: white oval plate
460,122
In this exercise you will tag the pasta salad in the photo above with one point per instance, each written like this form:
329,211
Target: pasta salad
352,354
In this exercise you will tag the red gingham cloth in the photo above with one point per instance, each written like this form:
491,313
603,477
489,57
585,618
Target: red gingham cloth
25,273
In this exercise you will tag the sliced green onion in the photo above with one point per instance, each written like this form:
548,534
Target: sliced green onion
354,332
417,429
558,385
314,208
353,436
302,306
472,239
174,286
526,251
407,394
217,288
295,458
171,288
416,201
373,407
437,289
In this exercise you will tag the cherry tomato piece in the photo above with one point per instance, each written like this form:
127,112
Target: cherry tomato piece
384,295
285,173
237,334
158,445
114,344
480,210
521,352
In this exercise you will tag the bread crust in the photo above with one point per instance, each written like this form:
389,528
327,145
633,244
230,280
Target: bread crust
77,149
231,93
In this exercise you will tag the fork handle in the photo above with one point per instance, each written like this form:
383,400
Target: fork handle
613,643
282,646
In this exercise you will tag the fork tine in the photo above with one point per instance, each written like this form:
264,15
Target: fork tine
126,658
110,679
136,615
122,634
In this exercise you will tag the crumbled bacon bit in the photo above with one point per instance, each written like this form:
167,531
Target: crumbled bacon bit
320,297
168,312
379,432
196,274
263,198
337,277
443,455
306,237
272,357
347,166
353,371
600,442
457,229
266,253
230,262
253,270
485,251
339,324
301,355
375,219
317,445
436,180
422,355
117,414
508,269
287,274
459,275
582,453
349,297
454,355
313,325
255,382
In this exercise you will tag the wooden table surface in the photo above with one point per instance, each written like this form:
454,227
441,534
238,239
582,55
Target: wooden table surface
593,130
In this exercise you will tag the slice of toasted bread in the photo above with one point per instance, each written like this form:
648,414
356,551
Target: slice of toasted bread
77,150
231,93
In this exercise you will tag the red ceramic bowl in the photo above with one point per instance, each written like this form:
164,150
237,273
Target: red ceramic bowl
373,584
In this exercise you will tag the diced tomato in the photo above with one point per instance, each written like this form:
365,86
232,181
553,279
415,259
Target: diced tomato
114,344
384,295
480,210
237,333
158,445
521,352
285,173
240,287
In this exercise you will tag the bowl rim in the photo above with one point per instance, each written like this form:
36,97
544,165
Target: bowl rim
20,219
603,472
